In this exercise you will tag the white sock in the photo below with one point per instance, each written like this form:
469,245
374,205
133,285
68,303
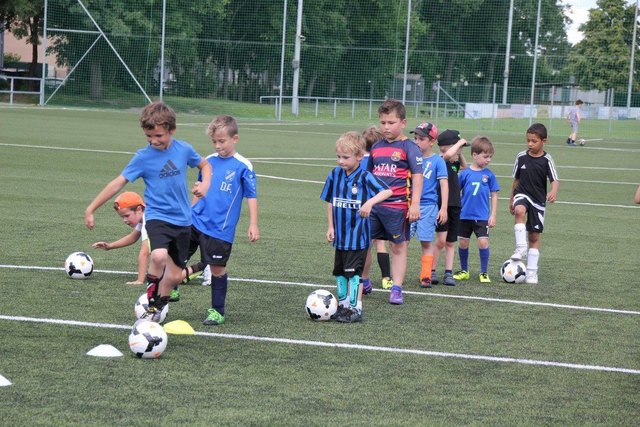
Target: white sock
532,260
520,232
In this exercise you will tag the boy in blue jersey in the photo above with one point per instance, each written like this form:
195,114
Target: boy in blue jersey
396,160
371,135
479,187
435,181
529,195
350,193
216,216
163,167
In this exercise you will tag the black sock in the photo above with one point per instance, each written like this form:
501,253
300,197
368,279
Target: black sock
385,266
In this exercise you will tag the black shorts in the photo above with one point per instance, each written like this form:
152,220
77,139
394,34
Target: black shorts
349,263
452,225
535,213
212,251
472,226
173,238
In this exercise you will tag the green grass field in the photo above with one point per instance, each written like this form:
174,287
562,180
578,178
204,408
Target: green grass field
563,352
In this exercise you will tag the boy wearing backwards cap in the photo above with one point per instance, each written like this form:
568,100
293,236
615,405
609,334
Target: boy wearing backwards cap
450,143
130,207
434,183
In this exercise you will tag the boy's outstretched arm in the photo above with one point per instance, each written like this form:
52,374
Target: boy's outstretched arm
110,190
127,240
254,231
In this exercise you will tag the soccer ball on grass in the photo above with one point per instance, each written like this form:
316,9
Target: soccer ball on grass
78,265
321,305
513,271
142,305
148,340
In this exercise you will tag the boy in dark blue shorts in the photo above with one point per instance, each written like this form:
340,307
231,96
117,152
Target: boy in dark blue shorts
350,193
396,160
163,167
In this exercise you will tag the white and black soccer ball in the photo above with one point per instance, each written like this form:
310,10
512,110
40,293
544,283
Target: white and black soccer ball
321,305
513,271
582,141
142,305
78,265
148,340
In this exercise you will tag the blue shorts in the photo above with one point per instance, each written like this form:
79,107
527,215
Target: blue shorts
389,224
427,223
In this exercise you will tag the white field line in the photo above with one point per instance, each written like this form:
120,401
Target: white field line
602,205
424,294
328,167
282,160
44,147
348,346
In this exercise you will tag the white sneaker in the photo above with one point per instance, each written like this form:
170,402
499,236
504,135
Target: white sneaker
532,278
206,276
519,254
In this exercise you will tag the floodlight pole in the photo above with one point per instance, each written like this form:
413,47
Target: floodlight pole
284,39
164,16
535,64
44,53
296,62
633,51
406,53
507,57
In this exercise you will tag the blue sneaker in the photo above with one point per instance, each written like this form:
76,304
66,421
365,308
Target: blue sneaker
395,297
367,288
448,280
434,277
